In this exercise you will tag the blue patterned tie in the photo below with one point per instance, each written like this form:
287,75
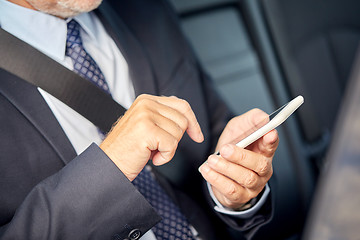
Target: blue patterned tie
84,64
174,224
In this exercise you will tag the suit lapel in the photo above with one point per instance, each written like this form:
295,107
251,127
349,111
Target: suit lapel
35,109
140,70
27,99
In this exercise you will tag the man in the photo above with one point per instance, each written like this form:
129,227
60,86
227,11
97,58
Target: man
54,186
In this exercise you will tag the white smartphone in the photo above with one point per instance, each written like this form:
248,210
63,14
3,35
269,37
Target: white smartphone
271,122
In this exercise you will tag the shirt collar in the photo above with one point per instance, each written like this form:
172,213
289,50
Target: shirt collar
45,32
87,24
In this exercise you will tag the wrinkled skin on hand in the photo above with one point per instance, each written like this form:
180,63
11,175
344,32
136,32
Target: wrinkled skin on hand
150,129
237,175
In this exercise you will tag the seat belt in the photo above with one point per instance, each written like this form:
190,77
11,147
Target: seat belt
26,62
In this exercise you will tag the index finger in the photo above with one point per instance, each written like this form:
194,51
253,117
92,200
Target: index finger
182,106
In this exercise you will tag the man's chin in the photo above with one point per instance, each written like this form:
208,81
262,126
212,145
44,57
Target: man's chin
71,8
65,8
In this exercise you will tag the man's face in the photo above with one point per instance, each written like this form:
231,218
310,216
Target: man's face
64,8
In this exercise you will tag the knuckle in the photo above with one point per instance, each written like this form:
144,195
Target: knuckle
271,171
182,122
232,194
179,132
145,101
251,195
141,97
231,191
264,167
170,145
255,115
241,156
185,105
256,111
142,115
250,180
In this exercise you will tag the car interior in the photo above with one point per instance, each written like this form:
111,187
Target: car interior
263,53
333,213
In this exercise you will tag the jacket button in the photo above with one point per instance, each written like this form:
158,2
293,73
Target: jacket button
134,234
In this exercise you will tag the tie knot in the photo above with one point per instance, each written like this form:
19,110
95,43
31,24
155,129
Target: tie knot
73,34
83,63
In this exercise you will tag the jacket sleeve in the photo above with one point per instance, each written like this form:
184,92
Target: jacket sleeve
88,199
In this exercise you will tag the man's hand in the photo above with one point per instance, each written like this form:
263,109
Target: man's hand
151,128
238,175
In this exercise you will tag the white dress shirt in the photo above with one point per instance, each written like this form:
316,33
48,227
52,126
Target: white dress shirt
48,34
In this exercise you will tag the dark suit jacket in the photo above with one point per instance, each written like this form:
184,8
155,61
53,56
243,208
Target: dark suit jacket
47,192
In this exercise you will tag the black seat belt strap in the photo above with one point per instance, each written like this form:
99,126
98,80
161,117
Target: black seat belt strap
26,62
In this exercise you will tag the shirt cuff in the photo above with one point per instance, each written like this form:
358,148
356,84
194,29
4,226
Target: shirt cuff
243,213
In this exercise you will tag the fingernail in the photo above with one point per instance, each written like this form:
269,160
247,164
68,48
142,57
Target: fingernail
159,160
226,151
271,137
204,168
213,160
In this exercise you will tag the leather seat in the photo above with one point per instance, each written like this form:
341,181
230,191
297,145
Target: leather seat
219,32
315,43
